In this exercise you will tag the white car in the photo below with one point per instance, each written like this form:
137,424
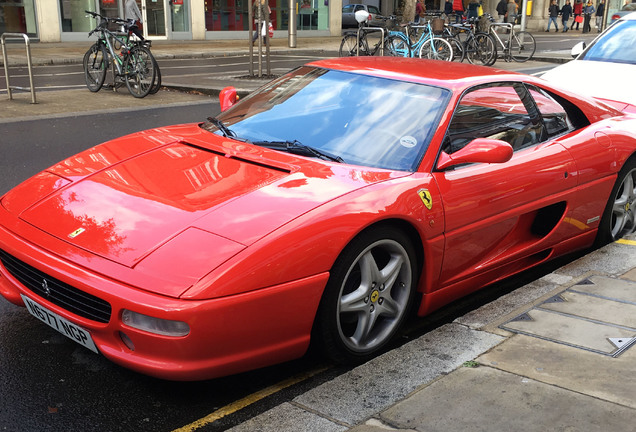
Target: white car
605,69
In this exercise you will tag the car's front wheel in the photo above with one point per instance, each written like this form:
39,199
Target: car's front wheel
368,295
619,218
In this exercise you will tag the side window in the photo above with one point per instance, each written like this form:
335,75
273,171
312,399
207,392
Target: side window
497,112
554,114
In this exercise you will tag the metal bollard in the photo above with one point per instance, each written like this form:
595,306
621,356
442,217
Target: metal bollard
31,88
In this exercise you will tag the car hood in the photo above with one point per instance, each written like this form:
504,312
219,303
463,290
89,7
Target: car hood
132,208
594,78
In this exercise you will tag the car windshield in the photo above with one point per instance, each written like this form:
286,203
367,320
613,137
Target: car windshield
354,118
618,45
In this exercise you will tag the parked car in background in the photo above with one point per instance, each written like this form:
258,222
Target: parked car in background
605,68
625,10
349,11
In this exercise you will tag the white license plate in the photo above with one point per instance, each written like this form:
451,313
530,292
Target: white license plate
64,326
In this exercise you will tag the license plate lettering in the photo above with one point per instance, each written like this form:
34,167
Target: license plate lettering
60,324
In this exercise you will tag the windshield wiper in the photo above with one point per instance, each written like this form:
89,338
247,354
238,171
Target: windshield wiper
227,132
298,148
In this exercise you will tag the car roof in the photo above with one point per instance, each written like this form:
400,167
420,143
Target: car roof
451,75
630,16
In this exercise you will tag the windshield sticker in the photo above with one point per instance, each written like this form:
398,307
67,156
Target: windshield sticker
408,141
426,198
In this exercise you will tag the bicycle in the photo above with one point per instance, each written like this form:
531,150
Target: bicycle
427,44
135,64
477,47
520,45
357,43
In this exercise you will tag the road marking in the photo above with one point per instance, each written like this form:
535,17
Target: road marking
248,400
626,242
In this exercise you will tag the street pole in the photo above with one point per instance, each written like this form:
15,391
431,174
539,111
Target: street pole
524,9
291,39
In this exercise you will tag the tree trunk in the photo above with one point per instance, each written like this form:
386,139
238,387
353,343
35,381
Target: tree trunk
408,14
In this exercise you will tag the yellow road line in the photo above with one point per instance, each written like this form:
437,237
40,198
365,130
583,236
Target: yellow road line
627,242
248,400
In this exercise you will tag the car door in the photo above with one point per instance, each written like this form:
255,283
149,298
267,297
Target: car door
501,217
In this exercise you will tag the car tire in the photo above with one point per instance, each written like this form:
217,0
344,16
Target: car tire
368,296
619,217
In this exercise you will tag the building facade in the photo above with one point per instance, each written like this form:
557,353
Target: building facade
66,20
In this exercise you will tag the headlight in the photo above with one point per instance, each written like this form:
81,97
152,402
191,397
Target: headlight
155,325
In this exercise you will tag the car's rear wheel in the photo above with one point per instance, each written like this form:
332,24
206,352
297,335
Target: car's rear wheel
367,298
619,217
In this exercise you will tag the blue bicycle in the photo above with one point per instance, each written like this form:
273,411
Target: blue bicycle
426,45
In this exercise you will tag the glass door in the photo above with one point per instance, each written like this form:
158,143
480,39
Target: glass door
154,12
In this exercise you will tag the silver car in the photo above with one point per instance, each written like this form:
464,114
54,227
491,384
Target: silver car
625,10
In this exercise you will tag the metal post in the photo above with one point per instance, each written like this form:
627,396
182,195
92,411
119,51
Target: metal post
524,10
291,38
6,64
250,19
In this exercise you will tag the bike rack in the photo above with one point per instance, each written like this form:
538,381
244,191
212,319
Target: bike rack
508,26
370,29
6,64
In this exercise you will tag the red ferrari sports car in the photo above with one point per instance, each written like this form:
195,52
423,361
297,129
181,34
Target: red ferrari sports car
322,208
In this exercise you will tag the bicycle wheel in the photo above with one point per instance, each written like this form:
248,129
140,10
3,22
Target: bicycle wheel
396,46
522,46
481,49
156,84
139,72
95,66
458,49
349,46
436,49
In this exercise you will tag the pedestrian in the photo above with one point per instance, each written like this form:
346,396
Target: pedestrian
132,13
578,12
448,9
458,10
553,13
511,12
502,8
473,10
420,12
566,12
588,10
261,12
600,11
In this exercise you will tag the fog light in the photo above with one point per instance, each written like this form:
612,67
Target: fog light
154,325
126,340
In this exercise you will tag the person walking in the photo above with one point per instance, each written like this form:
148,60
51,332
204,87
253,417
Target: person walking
261,12
553,13
132,13
458,10
511,12
566,12
588,10
600,11
420,12
502,8
578,12
448,9
473,9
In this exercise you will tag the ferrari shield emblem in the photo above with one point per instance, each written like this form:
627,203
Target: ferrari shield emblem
76,232
426,198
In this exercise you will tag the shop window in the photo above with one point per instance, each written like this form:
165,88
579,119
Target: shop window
17,17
